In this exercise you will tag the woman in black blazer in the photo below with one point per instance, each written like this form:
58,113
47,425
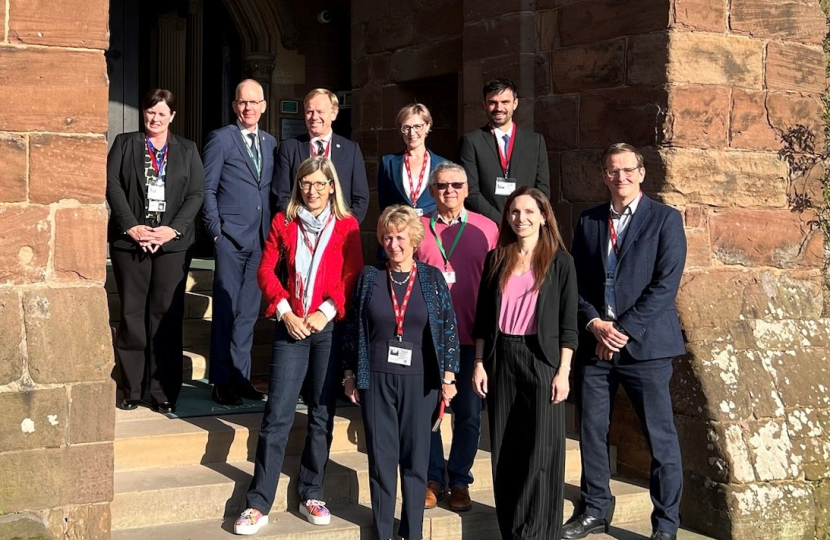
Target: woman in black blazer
526,334
155,187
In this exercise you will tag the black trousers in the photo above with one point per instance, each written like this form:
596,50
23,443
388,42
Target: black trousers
527,434
151,288
397,412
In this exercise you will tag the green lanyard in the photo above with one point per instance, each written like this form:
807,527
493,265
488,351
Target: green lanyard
454,243
256,159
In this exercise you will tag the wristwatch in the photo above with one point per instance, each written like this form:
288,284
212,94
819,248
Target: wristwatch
447,381
178,235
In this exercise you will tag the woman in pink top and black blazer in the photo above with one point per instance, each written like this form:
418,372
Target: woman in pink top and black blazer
526,333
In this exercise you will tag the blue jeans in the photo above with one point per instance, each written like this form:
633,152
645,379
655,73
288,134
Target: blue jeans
294,363
466,409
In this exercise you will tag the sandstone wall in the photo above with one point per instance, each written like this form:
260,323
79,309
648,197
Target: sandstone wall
56,395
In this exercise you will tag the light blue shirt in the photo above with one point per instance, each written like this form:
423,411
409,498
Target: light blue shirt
621,222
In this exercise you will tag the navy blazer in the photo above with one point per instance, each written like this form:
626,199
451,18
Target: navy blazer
390,182
480,157
184,187
236,204
348,162
649,268
443,328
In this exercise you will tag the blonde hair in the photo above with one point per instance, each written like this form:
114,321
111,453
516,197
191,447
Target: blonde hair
335,104
397,218
310,166
416,109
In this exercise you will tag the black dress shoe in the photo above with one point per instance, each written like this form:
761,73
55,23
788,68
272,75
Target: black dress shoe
128,404
246,390
660,535
224,395
583,525
165,407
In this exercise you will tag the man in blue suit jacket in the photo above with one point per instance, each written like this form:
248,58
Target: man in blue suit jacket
321,107
239,165
629,259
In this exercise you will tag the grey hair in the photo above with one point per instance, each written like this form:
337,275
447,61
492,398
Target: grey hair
446,166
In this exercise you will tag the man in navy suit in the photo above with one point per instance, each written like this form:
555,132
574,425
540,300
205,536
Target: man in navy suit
321,107
239,165
629,258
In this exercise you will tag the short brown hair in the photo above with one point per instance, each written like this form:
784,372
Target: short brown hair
622,148
156,96
398,217
335,104
413,108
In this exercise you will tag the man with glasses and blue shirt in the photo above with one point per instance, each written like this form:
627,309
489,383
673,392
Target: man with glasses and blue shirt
239,165
456,242
629,257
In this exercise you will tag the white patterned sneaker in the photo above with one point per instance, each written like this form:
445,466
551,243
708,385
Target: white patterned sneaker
316,512
249,522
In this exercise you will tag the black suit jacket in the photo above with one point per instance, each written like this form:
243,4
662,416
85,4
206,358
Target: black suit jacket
348,162
556,308
648,274
184,189
479,155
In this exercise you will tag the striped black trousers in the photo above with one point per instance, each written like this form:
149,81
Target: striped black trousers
527,434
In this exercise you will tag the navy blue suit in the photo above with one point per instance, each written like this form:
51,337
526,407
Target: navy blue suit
649,268
237,214
390,182
348,162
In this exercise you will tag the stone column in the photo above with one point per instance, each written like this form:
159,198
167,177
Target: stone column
195,37
172,62
57,398
259,66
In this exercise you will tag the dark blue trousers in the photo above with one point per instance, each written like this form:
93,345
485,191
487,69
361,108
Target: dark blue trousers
293,363
236,301
646,382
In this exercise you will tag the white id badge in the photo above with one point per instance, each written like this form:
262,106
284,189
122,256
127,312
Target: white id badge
400,352
505,186
449,275
155,192
419,211
156,206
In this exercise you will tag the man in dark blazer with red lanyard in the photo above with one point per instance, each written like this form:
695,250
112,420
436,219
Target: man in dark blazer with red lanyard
239,165
321,108
500,157
629,259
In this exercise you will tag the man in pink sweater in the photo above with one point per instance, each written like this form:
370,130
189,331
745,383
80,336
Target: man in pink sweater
456,242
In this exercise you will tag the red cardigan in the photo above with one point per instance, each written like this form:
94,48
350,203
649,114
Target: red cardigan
339,267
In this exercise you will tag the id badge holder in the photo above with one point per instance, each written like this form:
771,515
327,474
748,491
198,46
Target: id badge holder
399,352
156,206
449,275
505,186
155,192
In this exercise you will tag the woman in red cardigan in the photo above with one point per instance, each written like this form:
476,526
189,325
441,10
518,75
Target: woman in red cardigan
320,241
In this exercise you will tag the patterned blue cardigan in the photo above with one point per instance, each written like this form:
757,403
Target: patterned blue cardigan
442,325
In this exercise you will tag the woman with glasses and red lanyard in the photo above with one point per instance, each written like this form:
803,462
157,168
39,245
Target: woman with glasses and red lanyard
403,176
320,241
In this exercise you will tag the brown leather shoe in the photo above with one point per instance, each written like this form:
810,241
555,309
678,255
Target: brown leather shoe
460,499
434,494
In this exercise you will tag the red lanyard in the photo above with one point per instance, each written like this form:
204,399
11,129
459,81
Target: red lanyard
326,152
613,232
504,157
313,248
157,166
415,191
401,311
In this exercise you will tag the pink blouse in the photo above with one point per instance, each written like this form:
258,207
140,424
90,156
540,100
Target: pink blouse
518,305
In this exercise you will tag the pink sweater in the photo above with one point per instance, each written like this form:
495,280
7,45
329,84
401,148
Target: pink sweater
479,237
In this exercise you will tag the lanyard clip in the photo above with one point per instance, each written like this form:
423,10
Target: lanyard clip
400,338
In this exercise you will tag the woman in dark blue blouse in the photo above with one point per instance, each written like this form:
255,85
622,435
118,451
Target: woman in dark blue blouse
400,350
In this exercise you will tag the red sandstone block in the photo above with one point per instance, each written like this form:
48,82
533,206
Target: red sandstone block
698,248
80,244
597,20
478,11
24,243
472,81
388,34
546,30
13,171
792,20
70,23
519,68
555,168
508,35
697,116
541,74
706,15
53,90
394,98
789,114
582,177
749,128
695,216
791,66
620,114
379,67
371,108
588,67
557,119
11,356
439,21
430,60
52,177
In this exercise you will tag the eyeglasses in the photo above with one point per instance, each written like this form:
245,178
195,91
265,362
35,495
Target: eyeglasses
417,128
318,186
441,186
628,171
245,104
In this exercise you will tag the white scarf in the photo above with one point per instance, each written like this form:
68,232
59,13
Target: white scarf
307,263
